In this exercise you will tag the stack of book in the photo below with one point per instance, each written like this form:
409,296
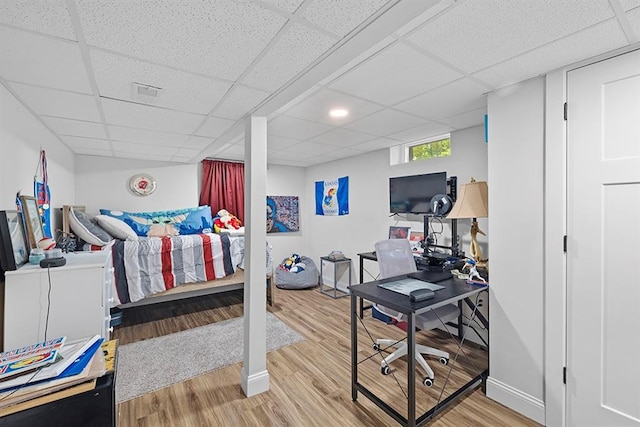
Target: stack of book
46,367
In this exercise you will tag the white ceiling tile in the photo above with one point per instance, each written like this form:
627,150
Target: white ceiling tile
297,48
377,144
307,148
317,159
147,117
75,127
316,108
634,20
29,58
143,156
385,123
187,152
576,47
629,4
455,97
92,152
343,16
235,150
289,6
43,16
181,159
144,136
292,127
180,90
421,132
217,38
342,137
275,142
53,102
240,100
129,147
496,30
397,73
197,142
466,120
287,157
83,142
214,127
347,152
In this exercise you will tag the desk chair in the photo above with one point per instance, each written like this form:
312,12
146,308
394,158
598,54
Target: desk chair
395,258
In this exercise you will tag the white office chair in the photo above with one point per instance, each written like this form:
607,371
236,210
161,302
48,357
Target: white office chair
395,258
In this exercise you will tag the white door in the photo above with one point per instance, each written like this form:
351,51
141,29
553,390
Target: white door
603,252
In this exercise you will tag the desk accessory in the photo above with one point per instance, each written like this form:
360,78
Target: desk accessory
421,295
53,262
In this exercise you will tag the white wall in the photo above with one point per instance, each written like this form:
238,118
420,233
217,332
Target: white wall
516,218
21,138
369,218
103,182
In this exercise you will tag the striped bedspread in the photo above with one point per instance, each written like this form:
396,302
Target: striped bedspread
155,264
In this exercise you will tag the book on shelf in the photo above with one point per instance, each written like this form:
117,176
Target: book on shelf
21,361
67,356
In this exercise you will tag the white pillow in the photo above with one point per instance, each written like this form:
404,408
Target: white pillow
117,228
84,227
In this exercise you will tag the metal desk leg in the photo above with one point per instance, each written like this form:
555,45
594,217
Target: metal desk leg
361,281
354,348
411,374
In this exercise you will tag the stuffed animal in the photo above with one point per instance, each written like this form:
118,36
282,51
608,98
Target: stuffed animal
225,220
293,264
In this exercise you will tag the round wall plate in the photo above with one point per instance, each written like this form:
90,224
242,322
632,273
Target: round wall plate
142,184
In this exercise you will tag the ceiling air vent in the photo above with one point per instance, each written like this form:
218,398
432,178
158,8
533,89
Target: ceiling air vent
145,93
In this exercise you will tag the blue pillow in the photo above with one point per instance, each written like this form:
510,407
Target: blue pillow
166,223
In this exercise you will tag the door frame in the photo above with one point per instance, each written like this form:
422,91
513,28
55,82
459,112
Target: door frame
555,227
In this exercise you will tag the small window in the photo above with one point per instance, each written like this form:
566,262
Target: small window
439,147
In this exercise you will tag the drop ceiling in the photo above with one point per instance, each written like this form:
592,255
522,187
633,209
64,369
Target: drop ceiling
405,69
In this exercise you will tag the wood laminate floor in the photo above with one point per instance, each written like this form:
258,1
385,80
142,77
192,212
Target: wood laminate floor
310,381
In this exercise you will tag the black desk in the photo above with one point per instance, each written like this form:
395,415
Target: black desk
455,290
371,256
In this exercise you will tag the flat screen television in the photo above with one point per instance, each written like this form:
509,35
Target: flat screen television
413,193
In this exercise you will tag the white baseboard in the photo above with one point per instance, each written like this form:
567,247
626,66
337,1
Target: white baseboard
514,399
255,383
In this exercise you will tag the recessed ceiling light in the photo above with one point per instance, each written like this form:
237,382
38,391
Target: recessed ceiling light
338,112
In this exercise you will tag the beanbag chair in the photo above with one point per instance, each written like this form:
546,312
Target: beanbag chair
301,278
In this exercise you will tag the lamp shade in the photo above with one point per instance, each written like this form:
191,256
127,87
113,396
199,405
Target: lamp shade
472,202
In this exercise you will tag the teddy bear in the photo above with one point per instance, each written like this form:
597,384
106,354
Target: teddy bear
225,220
293,264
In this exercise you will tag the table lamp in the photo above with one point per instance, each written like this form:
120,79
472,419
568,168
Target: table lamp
473,202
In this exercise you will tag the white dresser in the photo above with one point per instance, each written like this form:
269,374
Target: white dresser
71,300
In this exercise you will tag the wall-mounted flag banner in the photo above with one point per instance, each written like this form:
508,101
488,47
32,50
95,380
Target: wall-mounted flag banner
332,197
42,194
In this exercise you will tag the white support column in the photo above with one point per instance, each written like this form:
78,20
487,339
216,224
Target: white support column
254,375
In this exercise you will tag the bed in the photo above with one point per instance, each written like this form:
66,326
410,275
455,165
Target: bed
148,270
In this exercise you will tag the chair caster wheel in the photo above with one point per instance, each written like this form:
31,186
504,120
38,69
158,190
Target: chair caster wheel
376,346
428,382
385,370
444,361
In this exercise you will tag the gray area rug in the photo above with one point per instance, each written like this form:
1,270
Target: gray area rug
149,365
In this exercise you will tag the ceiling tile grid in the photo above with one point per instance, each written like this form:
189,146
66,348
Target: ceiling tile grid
145,136
129,114
53,102
343,16
462,37
239,101
218,38
295,50
179,90
292,127
87,143
43,61
385,122
213,127
395,74
75,127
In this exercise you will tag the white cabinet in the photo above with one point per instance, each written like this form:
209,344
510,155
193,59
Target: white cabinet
71,300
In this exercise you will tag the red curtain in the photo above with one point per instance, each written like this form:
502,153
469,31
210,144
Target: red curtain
223,187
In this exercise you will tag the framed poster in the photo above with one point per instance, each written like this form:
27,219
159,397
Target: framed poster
14,250
282,214
32,221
